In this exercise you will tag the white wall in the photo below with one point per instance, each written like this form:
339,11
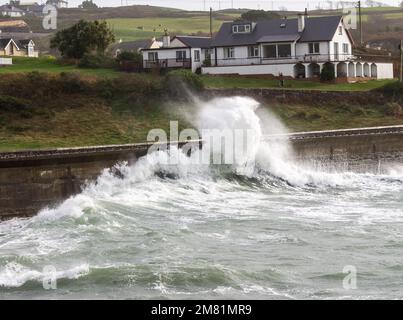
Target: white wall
6,61
340,39
385,70
302,49
275,69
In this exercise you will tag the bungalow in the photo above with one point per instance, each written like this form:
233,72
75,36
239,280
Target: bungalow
11,11
130,46
181,52
297,48
17,48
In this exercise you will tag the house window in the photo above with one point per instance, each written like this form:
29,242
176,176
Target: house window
241,28
314,48
197,55
229,53
284,50
153,56
340,30
253,51
345,48
180,55
270,51
274,51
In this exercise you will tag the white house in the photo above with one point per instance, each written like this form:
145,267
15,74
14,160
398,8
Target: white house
187,52
296,48
60,4
11,11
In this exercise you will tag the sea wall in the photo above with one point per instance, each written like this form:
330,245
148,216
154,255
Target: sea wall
32,180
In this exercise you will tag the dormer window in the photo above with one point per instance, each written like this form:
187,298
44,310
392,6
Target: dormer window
241,28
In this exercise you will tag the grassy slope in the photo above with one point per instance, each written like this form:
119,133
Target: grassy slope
80,122
328,117
230,82
77,121
46,64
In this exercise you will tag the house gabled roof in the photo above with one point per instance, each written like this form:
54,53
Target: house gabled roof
8,8
23,43
320,28
316,29
4,42
195,41
132,45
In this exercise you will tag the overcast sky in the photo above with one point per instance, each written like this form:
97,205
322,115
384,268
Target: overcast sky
217,4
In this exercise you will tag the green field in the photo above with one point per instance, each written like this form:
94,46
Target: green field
143,28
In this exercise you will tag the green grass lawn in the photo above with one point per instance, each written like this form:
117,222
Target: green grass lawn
143,28
46,64
231,82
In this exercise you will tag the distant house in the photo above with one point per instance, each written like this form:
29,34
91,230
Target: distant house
11,11
181,52
17,48
58,3
32,8
131,46
297,48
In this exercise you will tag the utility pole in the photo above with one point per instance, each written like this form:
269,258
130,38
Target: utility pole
360,21
401,61
211,22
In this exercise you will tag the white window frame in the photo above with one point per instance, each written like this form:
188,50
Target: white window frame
247,28
229,53
253,51
340,30
314,51
345,48
197,55
153,56
276,45
180,55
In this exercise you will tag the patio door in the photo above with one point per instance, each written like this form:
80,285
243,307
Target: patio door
336,51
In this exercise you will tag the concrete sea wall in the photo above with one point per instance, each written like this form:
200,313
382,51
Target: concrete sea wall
32,180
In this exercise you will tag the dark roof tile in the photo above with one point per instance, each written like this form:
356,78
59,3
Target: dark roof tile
316,29
195,42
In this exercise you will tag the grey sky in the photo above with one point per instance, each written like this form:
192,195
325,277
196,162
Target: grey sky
216,4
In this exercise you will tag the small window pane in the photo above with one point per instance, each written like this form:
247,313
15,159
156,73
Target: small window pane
284,50
270,51
197,55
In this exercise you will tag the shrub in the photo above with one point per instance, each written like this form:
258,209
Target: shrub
130,56
189,80
393,89
71,82
207,62
393,109
130,61
94,61
11,104
327,73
